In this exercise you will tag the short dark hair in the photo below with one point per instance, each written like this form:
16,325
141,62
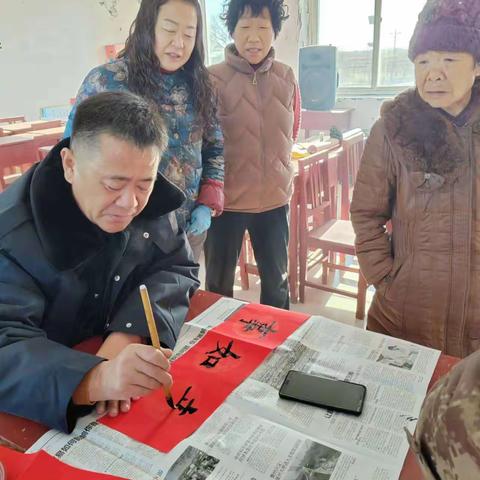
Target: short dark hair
121,114
234,9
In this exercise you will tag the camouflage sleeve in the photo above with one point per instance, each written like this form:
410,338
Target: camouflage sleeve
447,438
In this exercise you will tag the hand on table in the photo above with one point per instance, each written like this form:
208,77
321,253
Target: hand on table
133,373
110,348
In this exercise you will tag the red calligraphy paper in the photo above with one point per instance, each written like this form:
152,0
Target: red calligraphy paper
42,466
153,422
206,374
14,463
262,325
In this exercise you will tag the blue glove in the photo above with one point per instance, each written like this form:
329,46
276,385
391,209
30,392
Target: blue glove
200,220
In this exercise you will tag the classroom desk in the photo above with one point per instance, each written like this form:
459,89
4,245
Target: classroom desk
17,150
14,140
23,127
47,136
324,120
20,434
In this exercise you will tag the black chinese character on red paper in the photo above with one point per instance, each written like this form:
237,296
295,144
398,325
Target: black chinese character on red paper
216,355
261,327
188,408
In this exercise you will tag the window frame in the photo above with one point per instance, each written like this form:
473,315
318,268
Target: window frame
203,6
374,90
208,59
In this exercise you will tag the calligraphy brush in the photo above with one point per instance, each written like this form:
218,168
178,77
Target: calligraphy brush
152,328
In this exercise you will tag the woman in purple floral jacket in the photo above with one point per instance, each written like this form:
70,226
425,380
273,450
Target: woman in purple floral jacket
163,60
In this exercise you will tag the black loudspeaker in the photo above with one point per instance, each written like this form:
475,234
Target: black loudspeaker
318,77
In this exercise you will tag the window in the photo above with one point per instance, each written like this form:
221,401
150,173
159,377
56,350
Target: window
372,38
216,35
398,23
352,34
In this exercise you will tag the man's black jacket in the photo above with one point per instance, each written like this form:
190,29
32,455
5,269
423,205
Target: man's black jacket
63,280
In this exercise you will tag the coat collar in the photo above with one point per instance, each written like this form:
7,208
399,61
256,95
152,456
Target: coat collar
67,236
430,139
233,59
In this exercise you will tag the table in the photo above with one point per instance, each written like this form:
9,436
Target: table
15,151
15,139
22,150
324,120
47,136
20,434
23,127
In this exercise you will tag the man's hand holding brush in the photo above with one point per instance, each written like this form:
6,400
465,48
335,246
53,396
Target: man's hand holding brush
132,370
135,372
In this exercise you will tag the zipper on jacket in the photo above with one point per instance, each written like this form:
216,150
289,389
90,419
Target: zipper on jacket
262,144
450,294
473,170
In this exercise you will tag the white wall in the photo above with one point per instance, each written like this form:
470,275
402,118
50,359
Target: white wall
366,110
288,41
47,48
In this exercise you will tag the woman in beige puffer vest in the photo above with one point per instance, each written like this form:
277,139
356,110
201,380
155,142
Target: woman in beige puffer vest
258,108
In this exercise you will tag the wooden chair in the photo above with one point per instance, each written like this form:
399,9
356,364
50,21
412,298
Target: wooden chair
319,228
246,262
353,144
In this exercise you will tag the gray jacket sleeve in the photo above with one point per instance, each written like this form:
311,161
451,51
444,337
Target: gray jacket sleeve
38,376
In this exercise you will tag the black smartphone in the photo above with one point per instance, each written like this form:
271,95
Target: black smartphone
338,395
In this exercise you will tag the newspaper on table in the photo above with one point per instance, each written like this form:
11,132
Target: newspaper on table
255,435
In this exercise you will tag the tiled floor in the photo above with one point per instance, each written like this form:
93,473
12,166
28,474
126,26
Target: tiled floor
318,302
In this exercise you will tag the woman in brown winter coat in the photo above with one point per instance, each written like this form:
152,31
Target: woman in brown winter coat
419,170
